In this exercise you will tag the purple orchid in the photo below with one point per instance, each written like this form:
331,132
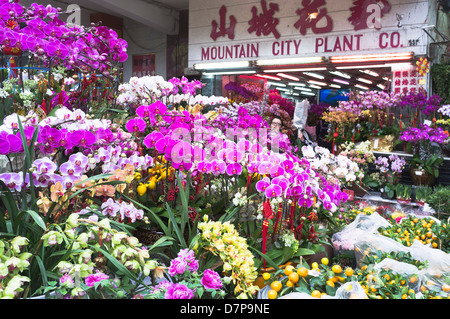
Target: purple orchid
82,138
218,167
13,181
204,167
136,125
234,169
273,190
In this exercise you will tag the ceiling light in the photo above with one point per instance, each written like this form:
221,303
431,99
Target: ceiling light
222,65
387,57
341,74
296,70
315,86
341,81
364,80
317,82
308,93
381,86
359,67
269,77
361,87
335,86
302,88
401,65
289,77
277,84
229,72
296,84
283,89
369,72
314,75
289,61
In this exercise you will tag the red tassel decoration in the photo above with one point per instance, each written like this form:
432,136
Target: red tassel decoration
335,135
275,230
291,217
268,214
298,230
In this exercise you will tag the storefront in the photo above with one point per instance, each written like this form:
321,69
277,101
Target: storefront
316,49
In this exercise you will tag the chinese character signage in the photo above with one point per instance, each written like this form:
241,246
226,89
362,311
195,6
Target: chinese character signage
405,78
248,29
144,65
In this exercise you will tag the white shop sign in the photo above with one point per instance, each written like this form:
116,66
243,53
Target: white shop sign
233,30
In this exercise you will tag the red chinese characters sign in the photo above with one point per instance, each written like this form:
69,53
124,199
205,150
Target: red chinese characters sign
144,65
312,15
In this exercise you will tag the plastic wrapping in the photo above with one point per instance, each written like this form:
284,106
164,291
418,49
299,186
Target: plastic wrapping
363,224
401,268
349,290
301,114
436,275
371,243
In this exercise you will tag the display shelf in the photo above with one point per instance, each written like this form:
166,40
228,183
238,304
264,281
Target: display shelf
376,197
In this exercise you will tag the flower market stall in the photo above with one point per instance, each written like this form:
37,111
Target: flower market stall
147,189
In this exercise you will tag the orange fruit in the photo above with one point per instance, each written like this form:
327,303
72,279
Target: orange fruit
272,294
336,269
330,283
314,265
302,271
266,276
289,283
293,276
334,279
348,272
445,287
276,285
288,270
413,279
316,294
324,261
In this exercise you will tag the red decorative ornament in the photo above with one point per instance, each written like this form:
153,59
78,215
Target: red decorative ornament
275,230
268,214
291,217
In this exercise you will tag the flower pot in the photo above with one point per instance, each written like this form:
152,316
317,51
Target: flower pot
350,193
421,177
420,203
403,201
358,190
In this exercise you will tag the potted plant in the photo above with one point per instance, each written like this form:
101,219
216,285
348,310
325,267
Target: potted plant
390,169
425,171
403,193
425,143
422,193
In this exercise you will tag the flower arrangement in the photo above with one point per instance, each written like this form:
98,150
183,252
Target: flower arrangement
187,282
315,113
390,167
223,240
242,91
284,104
421,103
95,245
15,262
425,142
